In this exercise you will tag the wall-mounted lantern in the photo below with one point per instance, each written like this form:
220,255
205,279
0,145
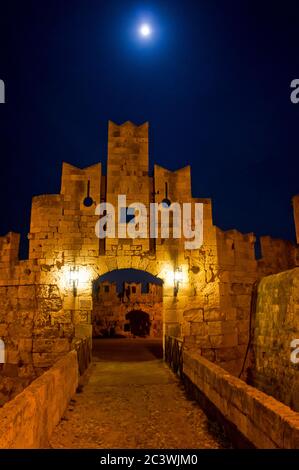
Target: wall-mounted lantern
178,278
74,279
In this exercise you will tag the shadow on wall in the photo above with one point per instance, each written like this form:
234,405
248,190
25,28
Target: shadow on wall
139,323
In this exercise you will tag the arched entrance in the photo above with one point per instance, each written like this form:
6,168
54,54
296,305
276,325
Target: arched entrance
127,303
139,323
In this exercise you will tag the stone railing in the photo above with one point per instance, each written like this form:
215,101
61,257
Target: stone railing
250,417
83,348
28,420
174,354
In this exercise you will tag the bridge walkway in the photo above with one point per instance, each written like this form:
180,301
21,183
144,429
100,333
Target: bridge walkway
131,399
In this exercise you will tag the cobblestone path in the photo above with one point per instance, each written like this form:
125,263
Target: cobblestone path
130,399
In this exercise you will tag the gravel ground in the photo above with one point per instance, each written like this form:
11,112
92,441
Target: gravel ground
130,399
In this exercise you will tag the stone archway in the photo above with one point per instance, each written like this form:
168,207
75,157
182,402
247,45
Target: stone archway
119,292
139,323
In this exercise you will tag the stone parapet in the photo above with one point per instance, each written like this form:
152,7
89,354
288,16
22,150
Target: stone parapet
259,419
276,325
28,420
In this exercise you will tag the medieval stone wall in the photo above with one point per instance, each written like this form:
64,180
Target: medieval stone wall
277,256
47,300
222,328
275,325
238,273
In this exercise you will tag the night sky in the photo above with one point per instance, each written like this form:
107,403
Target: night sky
213,81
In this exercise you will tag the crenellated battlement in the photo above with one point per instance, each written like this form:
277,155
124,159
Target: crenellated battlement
9,248
206,293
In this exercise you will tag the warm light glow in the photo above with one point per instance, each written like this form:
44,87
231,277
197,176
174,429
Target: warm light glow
83,276
75,277
178,275
175,276
145,30
168,276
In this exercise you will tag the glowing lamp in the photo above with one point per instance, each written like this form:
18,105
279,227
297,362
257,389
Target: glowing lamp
74,279
177,277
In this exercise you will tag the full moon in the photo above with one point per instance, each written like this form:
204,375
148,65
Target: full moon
145,30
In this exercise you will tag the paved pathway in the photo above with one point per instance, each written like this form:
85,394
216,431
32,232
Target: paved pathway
130,399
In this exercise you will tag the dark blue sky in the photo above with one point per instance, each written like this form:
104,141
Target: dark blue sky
128,275
213,81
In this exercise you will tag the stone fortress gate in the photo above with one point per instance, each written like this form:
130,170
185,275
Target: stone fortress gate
47,300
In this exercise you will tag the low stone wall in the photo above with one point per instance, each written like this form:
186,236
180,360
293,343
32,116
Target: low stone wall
261,420
28,420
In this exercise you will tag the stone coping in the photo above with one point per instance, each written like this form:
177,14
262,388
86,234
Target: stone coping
260,418
28,420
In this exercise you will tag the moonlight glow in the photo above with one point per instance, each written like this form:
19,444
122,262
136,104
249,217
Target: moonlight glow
145,30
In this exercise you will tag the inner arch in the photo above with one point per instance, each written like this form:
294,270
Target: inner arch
127,303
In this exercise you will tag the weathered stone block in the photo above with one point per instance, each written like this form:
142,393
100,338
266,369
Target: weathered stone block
26,292
197,328
57,345
3,330
44,359
25,345
211,315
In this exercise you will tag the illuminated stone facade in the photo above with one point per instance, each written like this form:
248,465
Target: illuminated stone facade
276,325
43,309
112,309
